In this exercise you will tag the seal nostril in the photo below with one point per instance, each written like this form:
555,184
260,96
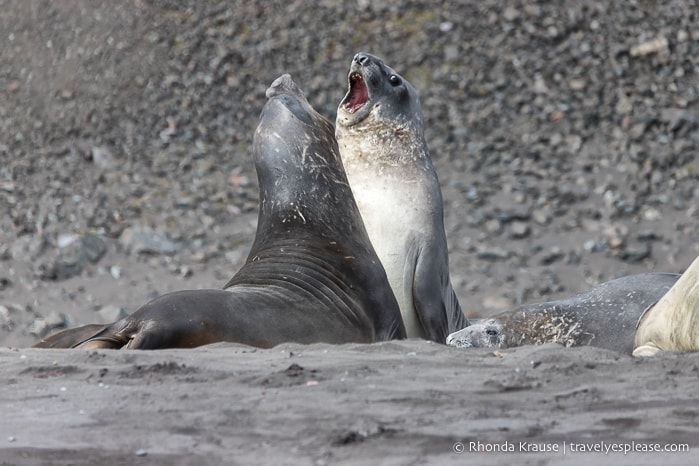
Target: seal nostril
361,58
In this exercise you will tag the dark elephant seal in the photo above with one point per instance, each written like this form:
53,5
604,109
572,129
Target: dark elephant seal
672,324
380,134
311,275
604,316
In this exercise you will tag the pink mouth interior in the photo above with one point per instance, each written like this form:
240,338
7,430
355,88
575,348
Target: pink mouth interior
358,95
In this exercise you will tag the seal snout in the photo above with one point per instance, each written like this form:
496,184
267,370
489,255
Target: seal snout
283,85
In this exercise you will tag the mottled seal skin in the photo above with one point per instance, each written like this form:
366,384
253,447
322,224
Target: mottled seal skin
380,133
604,316
672,324
311,275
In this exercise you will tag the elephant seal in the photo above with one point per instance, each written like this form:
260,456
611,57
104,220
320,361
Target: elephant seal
672,324
311,275
604,316
380,134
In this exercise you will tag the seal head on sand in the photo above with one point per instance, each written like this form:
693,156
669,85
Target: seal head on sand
604,316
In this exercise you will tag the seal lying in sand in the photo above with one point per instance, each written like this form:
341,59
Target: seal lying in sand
311,275
604,316
380,134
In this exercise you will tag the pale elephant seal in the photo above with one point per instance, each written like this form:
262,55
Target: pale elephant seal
311,276
672,324
604,316
380,134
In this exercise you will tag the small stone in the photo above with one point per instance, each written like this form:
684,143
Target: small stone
574,142
493,254
446,26
4,314
115,271
553,255
651,214
145,240
93,246
451,52
69,262
102,157
493,226
616,236
592,246
510,14
576,84
519,230
141,452
65,239
541,217
636,253
656,45
38,327
5,283
623,105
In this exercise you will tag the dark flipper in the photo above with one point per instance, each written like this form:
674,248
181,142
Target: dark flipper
88,336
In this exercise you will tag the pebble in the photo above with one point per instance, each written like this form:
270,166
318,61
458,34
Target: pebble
145,240
102,157
493,253
519,230
656,45
553,255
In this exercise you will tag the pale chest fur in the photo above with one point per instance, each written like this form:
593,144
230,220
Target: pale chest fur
397,213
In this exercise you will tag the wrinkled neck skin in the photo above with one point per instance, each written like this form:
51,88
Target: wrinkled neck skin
385,145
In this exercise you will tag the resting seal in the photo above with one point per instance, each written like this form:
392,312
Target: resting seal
672,324
311,275
604,316
380,134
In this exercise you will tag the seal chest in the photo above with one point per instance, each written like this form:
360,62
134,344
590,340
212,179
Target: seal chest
397,243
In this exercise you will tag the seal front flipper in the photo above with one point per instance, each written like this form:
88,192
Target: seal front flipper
434,300
78,338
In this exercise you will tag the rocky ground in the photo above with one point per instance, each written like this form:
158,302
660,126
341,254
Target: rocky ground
564,134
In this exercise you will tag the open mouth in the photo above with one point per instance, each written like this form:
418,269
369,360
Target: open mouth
358,93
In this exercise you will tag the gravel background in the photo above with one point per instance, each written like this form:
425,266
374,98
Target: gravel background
564,134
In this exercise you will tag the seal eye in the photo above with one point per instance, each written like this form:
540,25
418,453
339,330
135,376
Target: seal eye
394,80
491,332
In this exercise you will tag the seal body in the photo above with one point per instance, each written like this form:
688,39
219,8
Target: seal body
604,316
672,324
380,133
311,275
